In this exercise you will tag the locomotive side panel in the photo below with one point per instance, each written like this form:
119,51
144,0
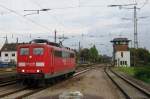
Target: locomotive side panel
63,62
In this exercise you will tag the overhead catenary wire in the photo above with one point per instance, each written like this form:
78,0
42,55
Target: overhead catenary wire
20,15
58,8
146,2
59,22
63,8
70,7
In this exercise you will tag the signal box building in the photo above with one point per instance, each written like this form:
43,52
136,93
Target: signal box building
121,53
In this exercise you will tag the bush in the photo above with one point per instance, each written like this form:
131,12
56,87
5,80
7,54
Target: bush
143,75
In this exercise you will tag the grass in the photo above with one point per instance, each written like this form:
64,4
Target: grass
141,73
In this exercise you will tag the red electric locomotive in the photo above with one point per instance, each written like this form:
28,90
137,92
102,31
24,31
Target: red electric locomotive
41,60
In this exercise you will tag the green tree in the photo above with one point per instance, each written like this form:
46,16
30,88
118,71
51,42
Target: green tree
141,55
93,54
84,54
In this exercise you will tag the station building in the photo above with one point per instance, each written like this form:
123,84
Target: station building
121,53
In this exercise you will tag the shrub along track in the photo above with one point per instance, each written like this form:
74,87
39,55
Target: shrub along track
24,92
129,89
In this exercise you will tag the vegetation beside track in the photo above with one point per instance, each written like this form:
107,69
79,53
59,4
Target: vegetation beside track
141,73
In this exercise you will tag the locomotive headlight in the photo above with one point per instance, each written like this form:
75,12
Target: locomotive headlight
21,64
37,71
22,70
40,64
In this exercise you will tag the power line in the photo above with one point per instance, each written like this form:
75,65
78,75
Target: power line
69,7
15,12
146,2
32,1
63,8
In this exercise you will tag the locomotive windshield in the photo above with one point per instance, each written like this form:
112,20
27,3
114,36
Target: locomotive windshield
38,51
24,51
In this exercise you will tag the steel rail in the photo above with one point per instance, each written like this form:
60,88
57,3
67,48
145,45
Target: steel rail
9,93
132,84
141,90
7,83
40,89
118,86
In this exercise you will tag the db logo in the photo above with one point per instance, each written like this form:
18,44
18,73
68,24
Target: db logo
30,64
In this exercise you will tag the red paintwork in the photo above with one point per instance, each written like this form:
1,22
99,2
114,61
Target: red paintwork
52,65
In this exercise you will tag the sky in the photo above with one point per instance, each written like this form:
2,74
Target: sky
90,22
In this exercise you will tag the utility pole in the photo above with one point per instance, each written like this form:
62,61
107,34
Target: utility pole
135,36
55,36
135,41
135,20
79,52
135,29
6,40
17,40
135,26
79,46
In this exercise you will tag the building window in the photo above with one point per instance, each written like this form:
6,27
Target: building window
115,62
125,62
6,55
13,54
121,54
120,62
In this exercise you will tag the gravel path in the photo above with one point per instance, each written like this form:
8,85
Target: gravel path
93,85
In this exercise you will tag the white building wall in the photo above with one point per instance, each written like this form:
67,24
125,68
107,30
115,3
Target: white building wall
10,56
122,58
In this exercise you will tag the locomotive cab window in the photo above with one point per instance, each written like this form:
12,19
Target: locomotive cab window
38,51
24,51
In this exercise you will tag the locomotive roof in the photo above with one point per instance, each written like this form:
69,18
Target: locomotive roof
45,41
42,41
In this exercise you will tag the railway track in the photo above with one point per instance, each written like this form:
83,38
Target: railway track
25,92
6,83
129,89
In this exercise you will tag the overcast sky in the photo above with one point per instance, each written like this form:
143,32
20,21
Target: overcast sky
88,21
